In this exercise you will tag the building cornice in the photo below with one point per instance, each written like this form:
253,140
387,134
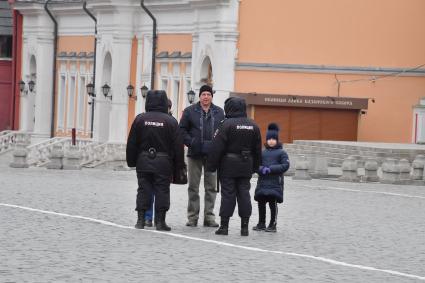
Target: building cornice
329,69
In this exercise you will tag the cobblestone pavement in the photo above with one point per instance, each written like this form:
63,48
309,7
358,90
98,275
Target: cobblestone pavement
320,218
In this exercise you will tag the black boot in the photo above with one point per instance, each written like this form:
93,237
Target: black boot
244,226
140,220
271,227
224,226
261,226
160,221
272,224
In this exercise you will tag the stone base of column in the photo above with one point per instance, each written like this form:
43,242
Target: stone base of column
72,160
19,159
56,158
349,176
417,173
390,171
389,178
370,178
418,168
371,171
301,169
404,169
320,167
20,153
349,170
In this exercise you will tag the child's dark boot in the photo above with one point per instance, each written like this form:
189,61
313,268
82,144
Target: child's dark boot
271,227
259,227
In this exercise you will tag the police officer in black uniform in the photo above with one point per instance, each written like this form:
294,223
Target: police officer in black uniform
236,153
155,148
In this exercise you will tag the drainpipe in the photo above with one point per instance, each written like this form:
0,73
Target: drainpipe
94,63
154,39
14,66
55,47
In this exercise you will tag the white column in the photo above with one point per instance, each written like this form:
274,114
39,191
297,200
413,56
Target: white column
121,59
218,44
43,95
24,111
140,103
418,131
101,105
224,66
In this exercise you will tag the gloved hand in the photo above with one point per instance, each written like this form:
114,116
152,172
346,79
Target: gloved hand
265,170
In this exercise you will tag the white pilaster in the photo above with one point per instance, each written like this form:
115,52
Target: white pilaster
120,79
217,41
27,100
43,95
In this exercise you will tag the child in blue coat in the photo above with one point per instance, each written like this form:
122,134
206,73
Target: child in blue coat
269,188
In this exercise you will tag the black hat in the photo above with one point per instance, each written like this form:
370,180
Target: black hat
272,132
206,88
156,100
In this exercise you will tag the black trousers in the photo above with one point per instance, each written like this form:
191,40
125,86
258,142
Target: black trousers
153,184
232,190
262,209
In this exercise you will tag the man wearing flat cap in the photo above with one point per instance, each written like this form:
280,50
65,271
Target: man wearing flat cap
198,124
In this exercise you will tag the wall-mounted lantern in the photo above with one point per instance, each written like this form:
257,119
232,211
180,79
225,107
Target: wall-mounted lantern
144,90
90,90
130,92
23,88
31,85
105,90
191,96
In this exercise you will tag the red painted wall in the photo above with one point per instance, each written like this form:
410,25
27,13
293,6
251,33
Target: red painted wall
6,94
16,68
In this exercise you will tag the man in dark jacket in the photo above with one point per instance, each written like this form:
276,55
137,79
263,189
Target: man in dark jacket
155,148
236,153
198,124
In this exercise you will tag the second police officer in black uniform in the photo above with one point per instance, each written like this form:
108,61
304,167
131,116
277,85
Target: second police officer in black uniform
155,148
236,153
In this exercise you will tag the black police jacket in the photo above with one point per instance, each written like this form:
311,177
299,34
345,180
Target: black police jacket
236,147
198,129
154,143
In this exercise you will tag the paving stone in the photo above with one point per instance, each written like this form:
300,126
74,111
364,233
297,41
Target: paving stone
357,223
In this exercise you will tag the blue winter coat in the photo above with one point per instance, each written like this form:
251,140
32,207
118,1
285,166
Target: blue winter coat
271,185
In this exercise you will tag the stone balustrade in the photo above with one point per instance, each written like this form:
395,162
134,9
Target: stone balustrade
349,170
302,169
371,170
8,140
22,140
404,172
390,171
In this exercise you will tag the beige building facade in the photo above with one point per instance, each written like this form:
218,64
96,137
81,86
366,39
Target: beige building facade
337,70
